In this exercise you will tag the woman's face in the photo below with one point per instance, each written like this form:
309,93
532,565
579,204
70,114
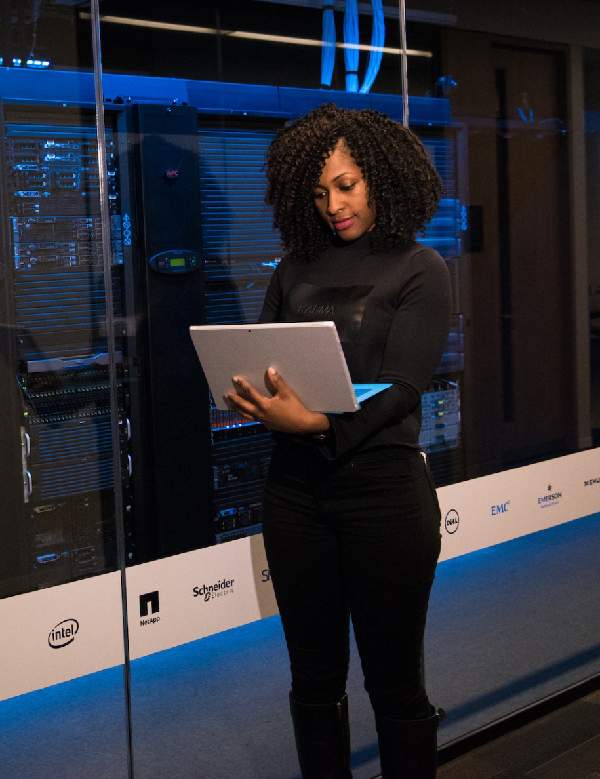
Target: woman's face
341,196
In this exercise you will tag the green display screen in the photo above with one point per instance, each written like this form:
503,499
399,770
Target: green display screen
177,262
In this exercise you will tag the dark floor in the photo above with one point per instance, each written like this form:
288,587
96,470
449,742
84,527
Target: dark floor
564,744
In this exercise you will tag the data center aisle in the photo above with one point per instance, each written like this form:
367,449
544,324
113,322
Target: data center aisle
216,708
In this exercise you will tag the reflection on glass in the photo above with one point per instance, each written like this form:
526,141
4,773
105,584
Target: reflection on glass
56,429
525,399
60,599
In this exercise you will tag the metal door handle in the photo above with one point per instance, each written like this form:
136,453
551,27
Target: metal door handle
28,484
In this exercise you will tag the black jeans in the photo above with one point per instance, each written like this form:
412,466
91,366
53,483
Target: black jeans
358,540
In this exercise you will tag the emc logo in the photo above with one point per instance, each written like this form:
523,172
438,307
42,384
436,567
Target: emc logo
500,508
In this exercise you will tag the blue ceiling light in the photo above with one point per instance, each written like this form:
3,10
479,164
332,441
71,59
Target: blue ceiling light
351,42
328,50
377,43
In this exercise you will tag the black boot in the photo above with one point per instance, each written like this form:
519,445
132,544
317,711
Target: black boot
408,748
322,739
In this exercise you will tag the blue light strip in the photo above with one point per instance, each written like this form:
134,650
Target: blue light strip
74,87
377,41
351,56
328,50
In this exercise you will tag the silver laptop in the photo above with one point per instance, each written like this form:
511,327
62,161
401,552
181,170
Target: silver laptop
308,355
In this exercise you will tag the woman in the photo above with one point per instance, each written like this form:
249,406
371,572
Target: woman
351,523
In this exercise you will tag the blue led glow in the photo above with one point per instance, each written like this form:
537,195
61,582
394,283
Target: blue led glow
32,63
377,42
328,50
351,39
16,61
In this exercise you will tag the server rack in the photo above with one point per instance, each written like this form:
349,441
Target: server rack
58,506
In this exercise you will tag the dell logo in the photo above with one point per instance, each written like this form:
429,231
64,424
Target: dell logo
63,634
451,521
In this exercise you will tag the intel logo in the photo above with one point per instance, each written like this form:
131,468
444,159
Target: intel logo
451,521
63,634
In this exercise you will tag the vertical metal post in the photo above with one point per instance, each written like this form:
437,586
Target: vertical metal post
403,63
110,337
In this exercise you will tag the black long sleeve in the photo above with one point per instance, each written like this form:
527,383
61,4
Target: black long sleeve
392,314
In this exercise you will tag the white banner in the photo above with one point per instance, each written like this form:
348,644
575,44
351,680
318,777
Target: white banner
63,632
60,633
195,594
492,509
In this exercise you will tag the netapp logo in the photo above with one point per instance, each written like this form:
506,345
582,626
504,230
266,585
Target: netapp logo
500,508
451,521
217,590
550,498
149,604
265,575
592,482
63,634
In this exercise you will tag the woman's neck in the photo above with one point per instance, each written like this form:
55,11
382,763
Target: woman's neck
360,245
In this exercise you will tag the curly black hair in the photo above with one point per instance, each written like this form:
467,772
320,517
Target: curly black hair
402,184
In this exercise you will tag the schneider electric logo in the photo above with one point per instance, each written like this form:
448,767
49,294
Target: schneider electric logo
63,634
592,482
219,589
551,498
149,608
451,521
500,508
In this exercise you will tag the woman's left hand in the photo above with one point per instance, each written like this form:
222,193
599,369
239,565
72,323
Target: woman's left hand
283,411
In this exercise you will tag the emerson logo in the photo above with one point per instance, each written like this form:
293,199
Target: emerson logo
219,589
149,607
551,498
451,521
500,508
63,634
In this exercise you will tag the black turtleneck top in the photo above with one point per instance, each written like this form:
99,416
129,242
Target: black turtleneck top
391,311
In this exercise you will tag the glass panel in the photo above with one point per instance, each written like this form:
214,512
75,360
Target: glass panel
59,580
521,95
194,96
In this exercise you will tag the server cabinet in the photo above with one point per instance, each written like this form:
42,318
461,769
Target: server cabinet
165,294
57,516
